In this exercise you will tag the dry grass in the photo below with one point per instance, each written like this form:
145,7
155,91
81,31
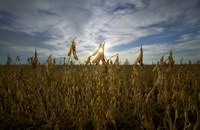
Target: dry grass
99,97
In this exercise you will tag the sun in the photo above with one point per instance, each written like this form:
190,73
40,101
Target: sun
100,50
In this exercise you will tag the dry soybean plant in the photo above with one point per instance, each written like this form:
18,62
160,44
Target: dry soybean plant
100,96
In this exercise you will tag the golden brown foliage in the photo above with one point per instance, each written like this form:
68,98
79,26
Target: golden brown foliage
100,97
100,54
73,49
35,62
140,58
116,60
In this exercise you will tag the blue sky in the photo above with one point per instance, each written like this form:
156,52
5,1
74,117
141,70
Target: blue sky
49,26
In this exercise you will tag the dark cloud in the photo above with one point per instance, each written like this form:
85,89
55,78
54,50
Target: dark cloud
121,9
7,19
23,39
46,12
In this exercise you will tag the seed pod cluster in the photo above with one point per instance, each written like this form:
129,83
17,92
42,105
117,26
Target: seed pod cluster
35,62
73,49
100,54
140,58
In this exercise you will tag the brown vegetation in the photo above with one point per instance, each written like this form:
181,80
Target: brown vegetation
99,97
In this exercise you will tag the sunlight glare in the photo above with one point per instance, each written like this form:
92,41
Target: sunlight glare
100,50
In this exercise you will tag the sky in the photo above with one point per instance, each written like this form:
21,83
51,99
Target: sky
124,25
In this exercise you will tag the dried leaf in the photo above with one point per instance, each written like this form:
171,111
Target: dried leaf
140,57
